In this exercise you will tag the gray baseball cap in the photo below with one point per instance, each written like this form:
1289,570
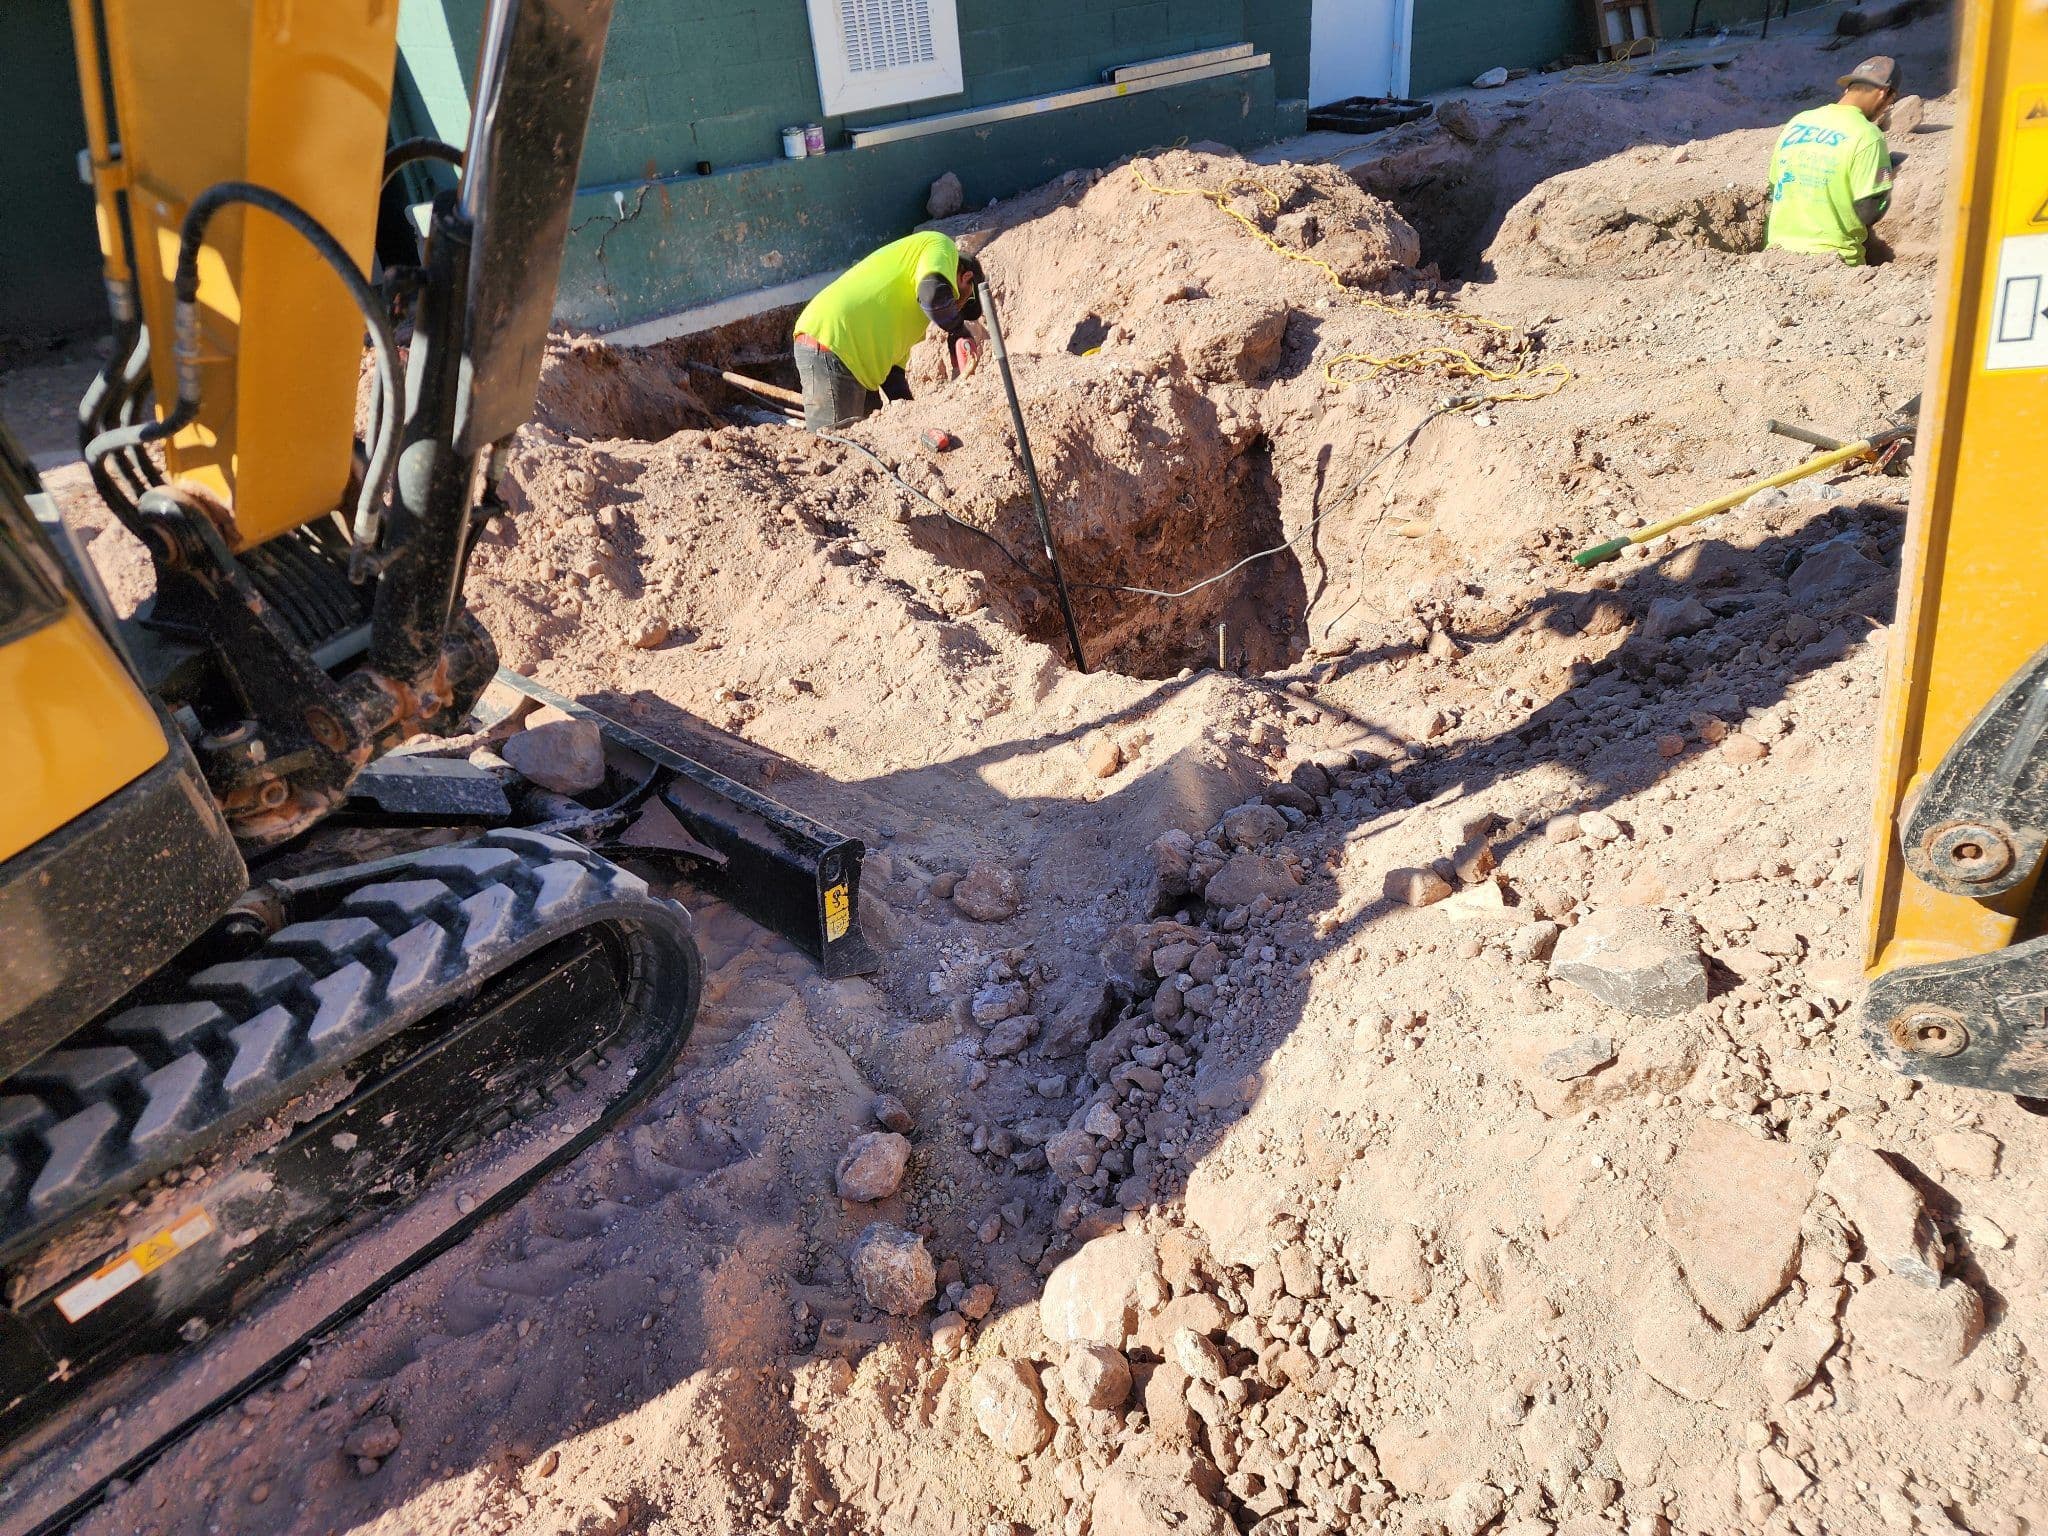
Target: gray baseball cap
1878,71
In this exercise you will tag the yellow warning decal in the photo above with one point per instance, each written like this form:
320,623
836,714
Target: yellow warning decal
838,913
2026,179
147,1256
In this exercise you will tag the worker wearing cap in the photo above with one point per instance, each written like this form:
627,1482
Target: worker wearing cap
853,339
1831,173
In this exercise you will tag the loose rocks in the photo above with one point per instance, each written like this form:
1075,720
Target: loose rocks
1731,1214
1973,1154
1922,1331
373,1439
988,893
566,756
1096,1376
1093,1295
1249,876
947,197
1416,887
1131,1503
1896,1228
1588,1053
1008,1407
872,1167
1639,959
893,1270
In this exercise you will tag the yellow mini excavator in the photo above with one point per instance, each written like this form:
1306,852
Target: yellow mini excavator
233,1049
1955,930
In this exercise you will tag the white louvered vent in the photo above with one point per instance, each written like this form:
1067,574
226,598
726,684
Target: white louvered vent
879,53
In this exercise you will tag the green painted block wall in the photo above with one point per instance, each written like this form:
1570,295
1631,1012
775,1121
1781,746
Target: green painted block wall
692,240
714,81
50,280
1456,40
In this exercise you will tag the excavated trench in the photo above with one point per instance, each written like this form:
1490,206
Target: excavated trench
1151,487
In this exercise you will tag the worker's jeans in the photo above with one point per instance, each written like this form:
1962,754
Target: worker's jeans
833,397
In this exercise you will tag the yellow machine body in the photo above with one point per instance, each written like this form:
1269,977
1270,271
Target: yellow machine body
82,728
1973,606
294,95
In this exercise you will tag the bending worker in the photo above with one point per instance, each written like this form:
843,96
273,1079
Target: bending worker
853,339
1831,173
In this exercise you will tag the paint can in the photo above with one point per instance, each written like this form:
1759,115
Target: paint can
794,146
814,138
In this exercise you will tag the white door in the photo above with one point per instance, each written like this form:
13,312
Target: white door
1358,48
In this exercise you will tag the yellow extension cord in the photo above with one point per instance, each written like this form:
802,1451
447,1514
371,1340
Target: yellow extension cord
1452,362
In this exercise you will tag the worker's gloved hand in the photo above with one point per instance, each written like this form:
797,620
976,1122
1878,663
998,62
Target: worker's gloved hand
966,355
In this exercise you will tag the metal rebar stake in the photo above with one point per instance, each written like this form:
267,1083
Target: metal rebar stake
1059,577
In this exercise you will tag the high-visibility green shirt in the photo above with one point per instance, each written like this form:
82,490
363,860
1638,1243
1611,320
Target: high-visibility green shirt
869,317
1825,162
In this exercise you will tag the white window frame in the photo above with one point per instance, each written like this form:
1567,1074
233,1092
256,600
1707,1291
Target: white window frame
844,89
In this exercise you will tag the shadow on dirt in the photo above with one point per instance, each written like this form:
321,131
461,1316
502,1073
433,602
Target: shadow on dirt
734,1270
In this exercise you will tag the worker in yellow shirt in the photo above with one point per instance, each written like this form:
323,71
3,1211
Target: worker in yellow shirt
853,339
1831,173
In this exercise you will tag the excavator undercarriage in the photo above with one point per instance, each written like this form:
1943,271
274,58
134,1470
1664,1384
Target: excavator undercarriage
284,997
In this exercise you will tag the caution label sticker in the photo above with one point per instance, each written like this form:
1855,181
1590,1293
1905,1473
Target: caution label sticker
2025,205
838,913
147,1256
2019,305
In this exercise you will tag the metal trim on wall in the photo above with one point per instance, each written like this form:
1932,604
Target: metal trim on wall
1173,64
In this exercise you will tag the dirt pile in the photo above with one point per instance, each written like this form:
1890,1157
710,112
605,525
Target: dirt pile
1315,1121
1606,163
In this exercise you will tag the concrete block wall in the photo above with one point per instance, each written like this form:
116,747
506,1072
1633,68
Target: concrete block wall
1455,40
693,240
711,80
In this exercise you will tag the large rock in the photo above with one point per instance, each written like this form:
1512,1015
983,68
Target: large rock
1173,855
1659,1059
1154,1497
1228,346
1247,877
1731,1214
1796,1354
988,893
1096,1376
1893,1223
566,756
1680,1350
946,198
1254,826
1670,617
872,1167
893,1269
1009,1408
1639,959
1833,570
1092,1297
1924,1332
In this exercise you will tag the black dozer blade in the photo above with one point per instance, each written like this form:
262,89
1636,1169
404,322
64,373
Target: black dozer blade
425,1039
788,872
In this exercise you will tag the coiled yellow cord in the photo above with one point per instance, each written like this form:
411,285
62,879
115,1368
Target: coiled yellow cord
1452,362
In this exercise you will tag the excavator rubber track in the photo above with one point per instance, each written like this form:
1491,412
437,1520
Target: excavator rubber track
185,1149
